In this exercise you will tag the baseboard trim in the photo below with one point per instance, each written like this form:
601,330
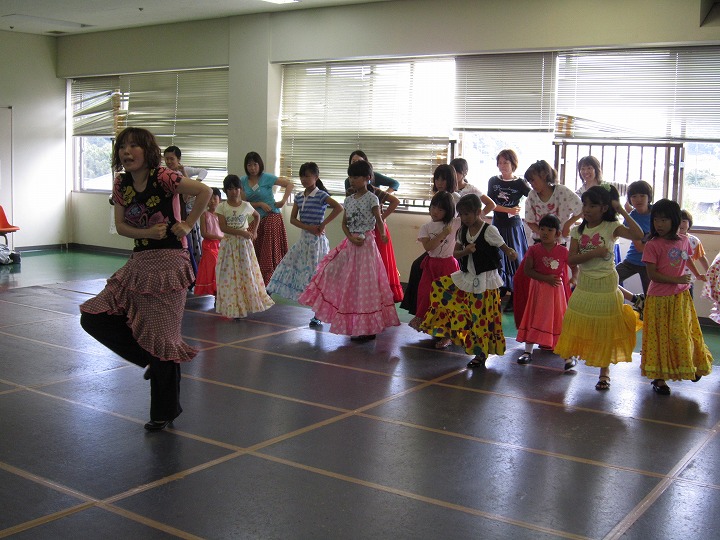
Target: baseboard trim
99,249
74,247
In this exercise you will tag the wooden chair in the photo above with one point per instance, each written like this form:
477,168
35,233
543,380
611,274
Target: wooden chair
5,227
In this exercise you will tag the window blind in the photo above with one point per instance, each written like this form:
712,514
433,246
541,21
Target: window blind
95,105
398,112
669,93
508,92
188,109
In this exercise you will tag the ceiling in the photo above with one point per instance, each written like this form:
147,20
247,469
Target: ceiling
64,17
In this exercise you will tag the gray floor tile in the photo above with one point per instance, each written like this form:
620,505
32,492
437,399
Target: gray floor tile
25,500
89,451
300,504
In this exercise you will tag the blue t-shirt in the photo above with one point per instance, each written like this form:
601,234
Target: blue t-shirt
261,192
633,255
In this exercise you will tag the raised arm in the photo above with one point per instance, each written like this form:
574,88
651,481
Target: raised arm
202,194
381,180
335,212
391,200
431,243
631,231
155,232
288,185
489,205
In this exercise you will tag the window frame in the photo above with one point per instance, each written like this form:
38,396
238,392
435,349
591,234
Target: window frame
185,108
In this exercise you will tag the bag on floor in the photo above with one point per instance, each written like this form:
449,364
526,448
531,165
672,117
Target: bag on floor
7,256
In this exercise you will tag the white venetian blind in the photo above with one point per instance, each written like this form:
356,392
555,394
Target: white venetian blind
95,105
508,92
188,109
398,112
669,93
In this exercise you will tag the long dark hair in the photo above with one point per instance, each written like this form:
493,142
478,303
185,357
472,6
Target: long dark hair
603,195
312,168
544,170
255,158
469,203
667,209
551,221
231,181
447,173
358,153
460,165
444,201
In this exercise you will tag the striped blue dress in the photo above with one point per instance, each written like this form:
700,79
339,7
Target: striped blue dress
293,274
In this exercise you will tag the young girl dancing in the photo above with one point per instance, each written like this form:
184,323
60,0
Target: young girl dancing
546,264
293,274
172,155
444,180
711,289
672,342
350,289
211,235
465,306
437,237
598,327
240,286
387,253
466,188
546,197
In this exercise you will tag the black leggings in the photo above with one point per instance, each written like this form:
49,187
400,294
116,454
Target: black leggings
409,301
113,332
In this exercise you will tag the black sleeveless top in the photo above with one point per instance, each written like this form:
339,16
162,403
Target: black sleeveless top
485,257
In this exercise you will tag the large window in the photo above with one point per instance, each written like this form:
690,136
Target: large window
402,114
701,186
654,95
187,109
480,149
504,101
398,112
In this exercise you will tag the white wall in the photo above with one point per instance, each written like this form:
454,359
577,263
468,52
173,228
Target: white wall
29,84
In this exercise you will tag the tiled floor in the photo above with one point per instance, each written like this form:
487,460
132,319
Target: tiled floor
290,432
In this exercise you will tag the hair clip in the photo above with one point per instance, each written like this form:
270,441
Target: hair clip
605,185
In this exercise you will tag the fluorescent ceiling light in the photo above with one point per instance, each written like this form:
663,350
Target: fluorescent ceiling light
16,18
281,1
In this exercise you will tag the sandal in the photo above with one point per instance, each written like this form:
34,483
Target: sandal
662,389
444,343
415,323
571,363
603,383
525,358
478,361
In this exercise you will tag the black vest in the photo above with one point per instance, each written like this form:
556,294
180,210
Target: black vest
485,257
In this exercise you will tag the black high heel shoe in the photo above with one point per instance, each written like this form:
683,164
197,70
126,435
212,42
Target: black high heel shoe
662,389
157,425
